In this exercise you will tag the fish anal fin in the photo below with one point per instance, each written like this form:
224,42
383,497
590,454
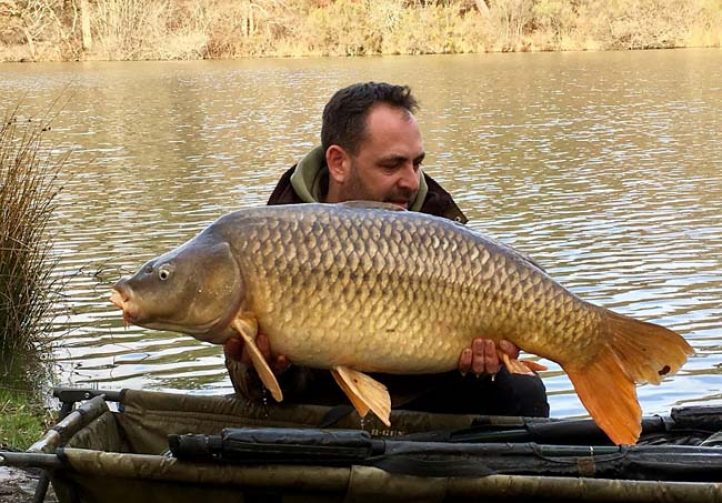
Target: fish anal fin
534,366
609,395
357,402
364,392
515,366
247,327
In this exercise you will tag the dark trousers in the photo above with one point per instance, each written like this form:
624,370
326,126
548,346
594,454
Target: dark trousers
504,395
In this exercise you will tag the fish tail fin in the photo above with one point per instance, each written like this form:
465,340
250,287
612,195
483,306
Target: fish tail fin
648,352
609,395
633,351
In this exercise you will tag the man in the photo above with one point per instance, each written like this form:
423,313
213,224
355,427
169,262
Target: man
371,149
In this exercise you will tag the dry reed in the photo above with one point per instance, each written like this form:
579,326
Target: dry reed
28,190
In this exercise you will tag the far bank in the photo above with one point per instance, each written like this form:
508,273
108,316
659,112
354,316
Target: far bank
224,29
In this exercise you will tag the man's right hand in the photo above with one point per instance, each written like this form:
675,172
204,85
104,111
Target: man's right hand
235,349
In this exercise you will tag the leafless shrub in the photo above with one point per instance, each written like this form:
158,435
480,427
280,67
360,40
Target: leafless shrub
193,29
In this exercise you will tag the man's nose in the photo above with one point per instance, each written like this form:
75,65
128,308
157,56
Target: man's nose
409,179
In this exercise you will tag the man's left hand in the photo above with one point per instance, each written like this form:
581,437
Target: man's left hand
482,357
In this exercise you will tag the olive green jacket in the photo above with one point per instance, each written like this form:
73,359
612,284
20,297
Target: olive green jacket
307,182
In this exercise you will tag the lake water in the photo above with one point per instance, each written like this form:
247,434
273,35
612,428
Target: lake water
605,167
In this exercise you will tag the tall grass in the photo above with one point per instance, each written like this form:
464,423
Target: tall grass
195,29
28,190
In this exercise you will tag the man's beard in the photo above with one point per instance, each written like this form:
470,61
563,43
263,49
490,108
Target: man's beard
358,190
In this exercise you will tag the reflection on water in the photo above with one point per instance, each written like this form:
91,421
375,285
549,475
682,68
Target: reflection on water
605,167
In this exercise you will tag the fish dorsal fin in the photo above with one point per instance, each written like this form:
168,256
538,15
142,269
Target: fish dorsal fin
371,205
529,259
510,249
365,393
247,326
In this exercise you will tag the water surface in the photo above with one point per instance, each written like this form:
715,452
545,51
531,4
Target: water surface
604,167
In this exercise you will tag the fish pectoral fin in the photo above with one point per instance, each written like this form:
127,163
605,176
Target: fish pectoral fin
365,393
515,366
248,328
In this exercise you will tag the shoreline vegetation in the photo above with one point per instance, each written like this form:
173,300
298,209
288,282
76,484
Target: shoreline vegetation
28,289
121,30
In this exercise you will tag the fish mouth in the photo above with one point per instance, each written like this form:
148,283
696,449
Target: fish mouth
118,299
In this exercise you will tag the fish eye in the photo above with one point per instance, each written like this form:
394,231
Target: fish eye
163,274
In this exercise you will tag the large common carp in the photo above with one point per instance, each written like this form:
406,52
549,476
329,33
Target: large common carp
364,287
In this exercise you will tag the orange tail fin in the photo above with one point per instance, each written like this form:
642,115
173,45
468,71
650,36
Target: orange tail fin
633,352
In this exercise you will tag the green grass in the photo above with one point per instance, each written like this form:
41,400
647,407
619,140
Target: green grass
23,419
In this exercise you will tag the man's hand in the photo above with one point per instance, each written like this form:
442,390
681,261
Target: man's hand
482,357
235,349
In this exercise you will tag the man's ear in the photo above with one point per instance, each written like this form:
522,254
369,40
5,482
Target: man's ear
338,162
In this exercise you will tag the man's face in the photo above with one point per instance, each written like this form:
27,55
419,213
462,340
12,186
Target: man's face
386,167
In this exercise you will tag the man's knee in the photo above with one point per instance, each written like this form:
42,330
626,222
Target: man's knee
530,395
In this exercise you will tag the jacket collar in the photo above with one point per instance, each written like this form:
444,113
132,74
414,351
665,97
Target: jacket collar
310,180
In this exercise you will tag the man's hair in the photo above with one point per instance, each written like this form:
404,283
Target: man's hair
344,117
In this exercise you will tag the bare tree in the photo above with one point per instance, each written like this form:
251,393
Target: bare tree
86,34
483,7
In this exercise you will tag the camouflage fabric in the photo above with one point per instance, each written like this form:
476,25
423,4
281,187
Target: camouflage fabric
122,456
